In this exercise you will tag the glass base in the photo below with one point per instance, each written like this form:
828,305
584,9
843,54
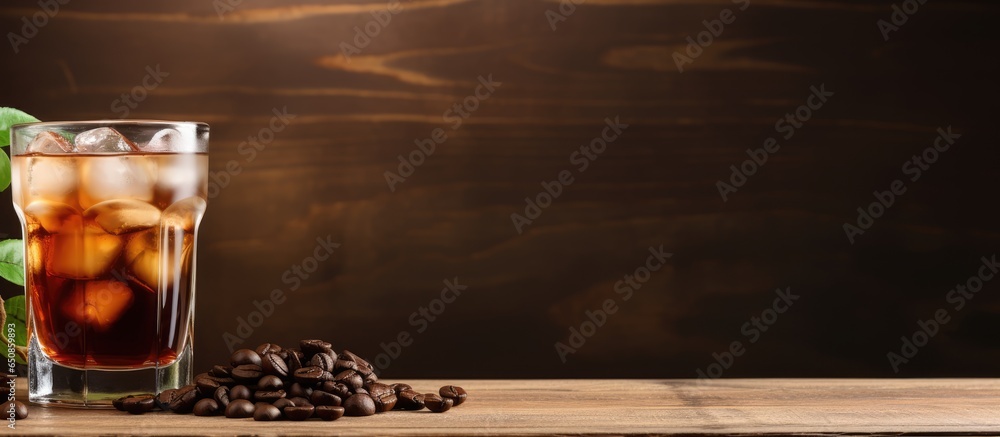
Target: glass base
51,384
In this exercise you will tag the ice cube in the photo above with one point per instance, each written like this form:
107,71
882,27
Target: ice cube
123,215
181,175
98,304
52,177
49,142
85,252
116,177
184,214
145,255
164,141
103,140
52,216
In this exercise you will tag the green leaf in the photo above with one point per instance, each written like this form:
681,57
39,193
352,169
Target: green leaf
17,316
8,118
4,170
12,261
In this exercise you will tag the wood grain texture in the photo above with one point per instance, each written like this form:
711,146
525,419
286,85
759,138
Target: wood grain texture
324,175
614,407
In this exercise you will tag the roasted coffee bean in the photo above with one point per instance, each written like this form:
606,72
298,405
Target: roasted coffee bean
328,412
20,410
359,405
244,356
409,400
268,395
341,365
327,386
239,409
283,403
455,393
350,378
138,404
270,382
206,407
300,401
299,412
323,361
220,371
360,391
259,404
399,387
320,397
119,403
299,390
240,392
267,348
312,347
266,413
184,399
222,380
383,395
365,369
247,372
436,403
339,389
273,364
221,396
206,387
163,399
311,375
294,361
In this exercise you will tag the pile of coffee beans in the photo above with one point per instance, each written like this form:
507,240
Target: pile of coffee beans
274,383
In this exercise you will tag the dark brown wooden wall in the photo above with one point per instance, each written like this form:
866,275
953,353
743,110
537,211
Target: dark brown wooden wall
324,175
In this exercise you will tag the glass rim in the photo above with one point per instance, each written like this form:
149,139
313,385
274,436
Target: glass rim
110,122
193,135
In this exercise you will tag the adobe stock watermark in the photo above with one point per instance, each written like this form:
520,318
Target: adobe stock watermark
752,330
958,297
786,125
900,15
31,27
551,190
713,29
363,35
624,289
562,12
455,115
293,278
124,105
420,319
915,167
254,144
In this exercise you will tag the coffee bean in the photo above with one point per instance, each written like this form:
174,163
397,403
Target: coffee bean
247,372
360,391
455,393
163,399
206,407
20,410
138,404
239,409
312,347
323,361
436,403
283,403
184,399
409,400
273,364
311,375
299,390
383,395
320,397
350,378
300,401
270,382
299,413
328,412
119,403
221,396
206,387
240,392
339,389
220,371
266,413
359,405
341,365
268,395
267,348
293,361
399,387
244,356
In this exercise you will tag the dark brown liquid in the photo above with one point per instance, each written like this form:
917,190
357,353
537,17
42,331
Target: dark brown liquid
109,255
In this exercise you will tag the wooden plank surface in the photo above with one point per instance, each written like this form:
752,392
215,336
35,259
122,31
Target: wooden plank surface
632,407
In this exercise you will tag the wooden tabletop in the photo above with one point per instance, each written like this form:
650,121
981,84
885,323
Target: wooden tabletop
633,407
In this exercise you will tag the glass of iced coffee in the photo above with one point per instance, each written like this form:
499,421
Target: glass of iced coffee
110,212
